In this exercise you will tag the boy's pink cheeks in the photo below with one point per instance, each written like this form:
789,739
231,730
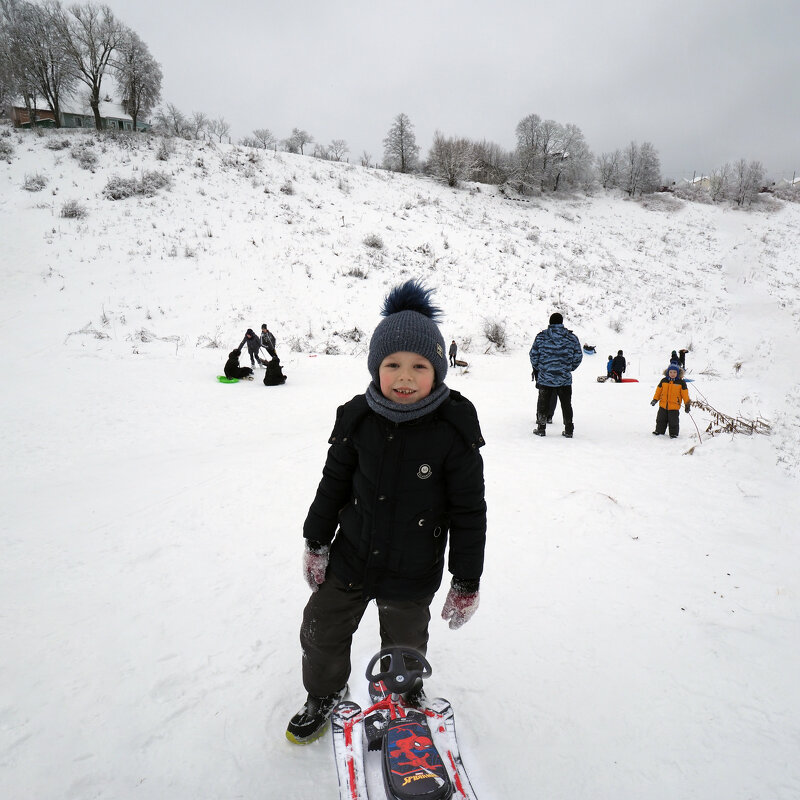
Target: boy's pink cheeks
400,370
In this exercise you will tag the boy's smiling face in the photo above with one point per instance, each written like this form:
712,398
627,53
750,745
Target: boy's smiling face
406,377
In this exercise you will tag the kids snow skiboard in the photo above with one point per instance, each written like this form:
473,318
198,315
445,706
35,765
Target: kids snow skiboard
419,755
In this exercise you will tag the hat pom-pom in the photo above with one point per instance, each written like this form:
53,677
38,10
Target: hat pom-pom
411,296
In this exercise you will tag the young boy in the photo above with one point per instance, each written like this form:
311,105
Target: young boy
253,346
403,470
671,390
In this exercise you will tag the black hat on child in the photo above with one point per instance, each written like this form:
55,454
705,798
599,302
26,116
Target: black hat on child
556,319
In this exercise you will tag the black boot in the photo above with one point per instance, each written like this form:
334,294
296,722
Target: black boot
540,430
310,722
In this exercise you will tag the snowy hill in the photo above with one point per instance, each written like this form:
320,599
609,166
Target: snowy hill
638,630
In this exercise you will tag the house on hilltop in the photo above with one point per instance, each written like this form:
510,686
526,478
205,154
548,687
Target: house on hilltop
76,113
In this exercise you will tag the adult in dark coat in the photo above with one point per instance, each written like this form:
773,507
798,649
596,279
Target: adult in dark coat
453,353
618,366
556,353
232,368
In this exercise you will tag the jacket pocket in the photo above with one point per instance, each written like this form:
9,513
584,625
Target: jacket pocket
419,547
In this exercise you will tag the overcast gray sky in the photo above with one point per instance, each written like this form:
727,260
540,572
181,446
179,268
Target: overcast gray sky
706,81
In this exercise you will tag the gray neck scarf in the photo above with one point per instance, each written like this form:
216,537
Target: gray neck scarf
397,412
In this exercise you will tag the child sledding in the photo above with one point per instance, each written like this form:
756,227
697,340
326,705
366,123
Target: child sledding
234,371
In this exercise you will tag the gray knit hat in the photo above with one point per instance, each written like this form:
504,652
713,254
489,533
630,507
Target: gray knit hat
410,326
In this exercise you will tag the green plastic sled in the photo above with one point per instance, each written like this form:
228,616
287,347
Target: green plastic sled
223,379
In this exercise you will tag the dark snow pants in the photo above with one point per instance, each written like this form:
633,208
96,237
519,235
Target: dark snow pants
332,616
546,405
664,417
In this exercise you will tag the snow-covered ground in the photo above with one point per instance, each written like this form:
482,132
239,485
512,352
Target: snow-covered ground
639,629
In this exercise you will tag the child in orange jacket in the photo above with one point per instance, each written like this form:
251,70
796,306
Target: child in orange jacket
671,390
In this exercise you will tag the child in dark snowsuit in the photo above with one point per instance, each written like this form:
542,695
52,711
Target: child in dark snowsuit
671,390
618,366
403,471
274,375
253,345
608,366
232,368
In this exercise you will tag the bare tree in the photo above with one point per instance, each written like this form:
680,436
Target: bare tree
451,160
366,159
641,170
608,167
9,86
91,35
550,155
338,149
18,76
747,180
718,182
264,138
139,76
492,164
400,150
46,62
298,140
219,127
170,120
650,168
197,124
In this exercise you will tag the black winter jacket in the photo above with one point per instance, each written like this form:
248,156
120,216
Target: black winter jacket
395,491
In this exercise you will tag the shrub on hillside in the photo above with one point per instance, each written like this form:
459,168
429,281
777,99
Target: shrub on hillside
34,183
495,332
57,144
85,156
165,150
374,241
72,209
119,188
6,148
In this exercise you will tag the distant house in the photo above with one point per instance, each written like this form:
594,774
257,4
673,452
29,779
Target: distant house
77,113
698,182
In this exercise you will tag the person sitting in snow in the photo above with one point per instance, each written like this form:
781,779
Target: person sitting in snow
669,394
233,370
253,345
274,375
403,471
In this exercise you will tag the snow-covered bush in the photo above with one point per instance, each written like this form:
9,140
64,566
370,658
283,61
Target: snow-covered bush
35,182
85,156
287,188
374,241
57,144
495,332
119,188
72,209
6,148
165,150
